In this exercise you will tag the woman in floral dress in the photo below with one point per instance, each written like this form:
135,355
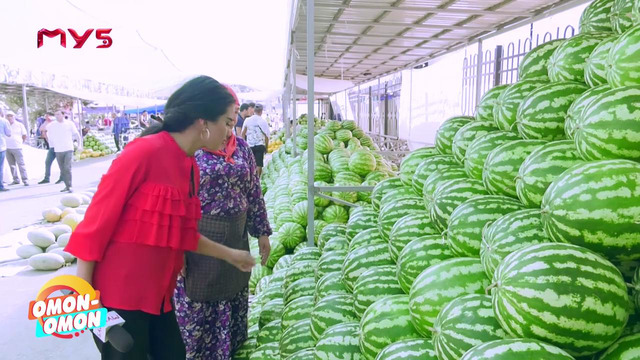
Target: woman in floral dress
212,298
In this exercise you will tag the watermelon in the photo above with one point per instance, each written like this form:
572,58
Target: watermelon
396,194
464,234
367,237
484,112
510,349
273,291
361,259
335,214
373,285
636,289
344,135
330,284
414,349
330,261
283,218
570,58
595,205
418,255
366,195
509,233
266,351
320,201
575,112
438,177
291,234
595,72
334,125
362,162
597,17
349,125
609,127
364,221
284,262
296,310
635,13
331,310
385,322
339,342
394,211
534,65
296,338
358,133
452,334
384,186
504,113
246,349
347,177
562,294
411,162
541,167
465,136
300,211
449,195
627,347
299,288
299,270
376,176
427,168
257,273
336,243
542,114
306,354
621,19
503,163
277,251
270,333
322,171
622,63
329,133
323,143
329,232
340,164
407,229
480,148
433,289
447,131
306,253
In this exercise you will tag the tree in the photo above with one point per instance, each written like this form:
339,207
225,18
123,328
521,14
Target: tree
37,103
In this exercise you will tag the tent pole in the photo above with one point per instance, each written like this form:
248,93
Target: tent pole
25,111
294,110
310,119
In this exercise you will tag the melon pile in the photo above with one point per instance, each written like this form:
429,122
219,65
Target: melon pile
516,236
96,145
45,247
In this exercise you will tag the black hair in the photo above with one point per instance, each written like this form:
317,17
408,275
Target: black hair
252,105
199,98
244,107
259,108
144,111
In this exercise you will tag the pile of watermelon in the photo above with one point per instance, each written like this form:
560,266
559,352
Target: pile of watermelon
516,236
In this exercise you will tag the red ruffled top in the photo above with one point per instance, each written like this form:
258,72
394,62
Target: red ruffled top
142,219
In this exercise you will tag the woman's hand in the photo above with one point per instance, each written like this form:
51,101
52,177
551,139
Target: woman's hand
265,248
242,260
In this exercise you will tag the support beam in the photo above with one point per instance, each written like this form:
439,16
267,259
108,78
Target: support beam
343,188
424,9
310,121
404,25
25,113
391,37
403,47
336,200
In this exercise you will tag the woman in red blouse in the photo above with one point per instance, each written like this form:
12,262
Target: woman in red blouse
144,216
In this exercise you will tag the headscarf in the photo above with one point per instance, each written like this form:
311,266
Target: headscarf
232,142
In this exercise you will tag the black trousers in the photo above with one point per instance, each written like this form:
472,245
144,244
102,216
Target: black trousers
116,139
155,337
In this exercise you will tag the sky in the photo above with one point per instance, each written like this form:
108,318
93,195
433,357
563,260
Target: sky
155,43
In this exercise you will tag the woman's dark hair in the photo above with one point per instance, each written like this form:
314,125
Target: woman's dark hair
199,98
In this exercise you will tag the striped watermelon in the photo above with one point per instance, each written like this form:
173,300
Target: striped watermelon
542,113
428,167
418,255
452,334
636,289
480,148
447,131
306,354
359,210
272,292
622,64
277,251
330,261
323,143
385,322
299,288
330,284
330,231
339,342
320,201
383,187
284,262
595,205
376,176
510,349
322,171
627,347
437,178
257,273
334,125
349,125
340,164
344,135
362,162
503,163
595,72
367,237
570,58
407,229
609,127
329,133
484,112
506,108
374,284
464,234
509,233
433,289
347,177
635,13
394,211
246,349
296,310
411,162
365,220
358,133
337,243
331,310
335,214
270,333
296,338
291,234
541,167
361,259
597,17
299,270
414,349
254,329
534,65
269,351
300,211
366,195
338,154
577,108
396,194
467,134
449,195
307,253
283,218
563,294
621,19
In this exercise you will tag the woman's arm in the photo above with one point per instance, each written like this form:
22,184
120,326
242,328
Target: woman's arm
238,258
85,270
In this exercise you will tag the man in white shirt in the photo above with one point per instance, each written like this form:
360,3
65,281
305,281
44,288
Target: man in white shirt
15,157
255,131
5,132
61,134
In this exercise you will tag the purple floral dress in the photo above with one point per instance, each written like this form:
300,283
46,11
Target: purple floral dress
214,330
